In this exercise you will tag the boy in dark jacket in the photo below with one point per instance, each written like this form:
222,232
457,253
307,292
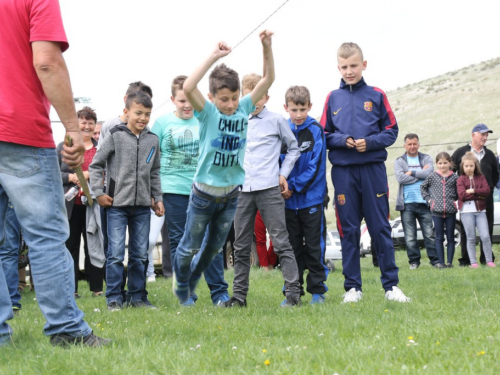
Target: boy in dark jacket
307,189
359,125
132,158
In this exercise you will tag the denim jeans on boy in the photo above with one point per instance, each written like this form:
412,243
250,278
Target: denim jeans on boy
439,224
409,217
31,178
177,205
138,221
208,222
471,221
9,255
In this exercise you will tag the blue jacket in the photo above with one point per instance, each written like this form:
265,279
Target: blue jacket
308,176
358,111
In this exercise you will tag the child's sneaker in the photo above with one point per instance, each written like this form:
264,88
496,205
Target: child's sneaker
491,264
352,295
397,295
235,302
474,265
114,306
91,340
152,278
180,291
317,299
291,300
189,303
219,302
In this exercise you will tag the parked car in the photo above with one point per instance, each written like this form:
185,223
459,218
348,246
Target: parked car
333,250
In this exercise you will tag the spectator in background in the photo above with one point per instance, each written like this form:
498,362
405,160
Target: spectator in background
97,130
490,170
411,169
76,209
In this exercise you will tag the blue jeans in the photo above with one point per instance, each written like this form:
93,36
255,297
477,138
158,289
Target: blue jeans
208,222
471,221
31,178
439,224
176,206
409,217
9,255
138,221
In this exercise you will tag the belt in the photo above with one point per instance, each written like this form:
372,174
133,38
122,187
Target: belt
224,199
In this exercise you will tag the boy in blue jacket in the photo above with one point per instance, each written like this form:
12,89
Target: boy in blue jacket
359,124
306,191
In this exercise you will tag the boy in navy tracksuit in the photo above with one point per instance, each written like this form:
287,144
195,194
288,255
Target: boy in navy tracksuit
359,124
307,188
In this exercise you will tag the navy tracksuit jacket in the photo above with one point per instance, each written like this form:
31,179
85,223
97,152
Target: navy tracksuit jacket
360,178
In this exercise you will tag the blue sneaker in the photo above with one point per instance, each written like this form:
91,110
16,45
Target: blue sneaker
180,291
189,303
317,299
221,300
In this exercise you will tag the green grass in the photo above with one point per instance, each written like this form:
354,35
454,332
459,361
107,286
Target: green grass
452,321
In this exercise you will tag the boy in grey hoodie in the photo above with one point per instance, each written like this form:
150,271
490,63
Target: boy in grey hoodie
131,155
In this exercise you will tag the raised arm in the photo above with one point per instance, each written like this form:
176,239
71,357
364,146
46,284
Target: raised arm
268,75
190,86
52,72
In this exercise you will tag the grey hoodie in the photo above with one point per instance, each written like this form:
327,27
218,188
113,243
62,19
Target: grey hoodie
133,168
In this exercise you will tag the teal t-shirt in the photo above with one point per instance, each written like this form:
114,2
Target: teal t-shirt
222,144
411,192
179,148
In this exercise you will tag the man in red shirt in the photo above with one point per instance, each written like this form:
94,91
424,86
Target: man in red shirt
33,74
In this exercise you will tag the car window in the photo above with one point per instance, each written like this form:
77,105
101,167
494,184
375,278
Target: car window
328,242
496,198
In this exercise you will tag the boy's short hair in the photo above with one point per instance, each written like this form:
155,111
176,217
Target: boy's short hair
139,86
249,81
139,97
87,113
346,50
178,84
223,77
298,95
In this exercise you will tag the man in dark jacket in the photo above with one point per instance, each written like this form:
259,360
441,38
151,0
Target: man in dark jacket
489,168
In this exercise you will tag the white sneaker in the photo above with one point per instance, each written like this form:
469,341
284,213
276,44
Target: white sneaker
352,295
152,279
397,295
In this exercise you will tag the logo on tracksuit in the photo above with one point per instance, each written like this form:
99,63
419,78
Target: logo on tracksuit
368,106
341,199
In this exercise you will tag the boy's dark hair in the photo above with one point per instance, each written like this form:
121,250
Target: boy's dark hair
298,95
471,157
411,136
178,84
87,113
223,77
139,97
139,86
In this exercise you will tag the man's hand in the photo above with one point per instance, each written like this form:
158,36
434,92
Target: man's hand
105,201
221,50
350,143
283,185
265,37
408,173
73,156
159,209
360,145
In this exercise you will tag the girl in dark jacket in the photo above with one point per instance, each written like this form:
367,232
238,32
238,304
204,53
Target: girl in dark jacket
439,190
473,189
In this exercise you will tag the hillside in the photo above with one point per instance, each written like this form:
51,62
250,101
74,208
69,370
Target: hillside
442,111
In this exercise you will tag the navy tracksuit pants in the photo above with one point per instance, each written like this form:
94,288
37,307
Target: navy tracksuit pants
362,191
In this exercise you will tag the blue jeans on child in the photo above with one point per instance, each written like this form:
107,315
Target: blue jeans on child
439,224
9,255
208,222
176,206
471,221
138,221
31,178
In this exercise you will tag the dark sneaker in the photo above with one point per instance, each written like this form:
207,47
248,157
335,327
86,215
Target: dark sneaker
291,301
114,306
439,266
449,265
16,310
235,302
143,304
91,340
219,302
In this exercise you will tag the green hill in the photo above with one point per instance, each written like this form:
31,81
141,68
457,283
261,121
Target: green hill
442,111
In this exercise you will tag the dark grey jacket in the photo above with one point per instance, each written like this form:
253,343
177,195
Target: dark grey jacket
133,168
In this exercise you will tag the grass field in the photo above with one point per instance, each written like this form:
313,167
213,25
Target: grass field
450,327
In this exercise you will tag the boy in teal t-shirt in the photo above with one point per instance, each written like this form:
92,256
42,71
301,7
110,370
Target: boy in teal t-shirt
223,128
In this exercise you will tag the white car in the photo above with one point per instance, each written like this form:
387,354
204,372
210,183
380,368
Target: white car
333,249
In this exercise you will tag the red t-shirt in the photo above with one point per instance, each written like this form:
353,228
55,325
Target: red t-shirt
24,108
